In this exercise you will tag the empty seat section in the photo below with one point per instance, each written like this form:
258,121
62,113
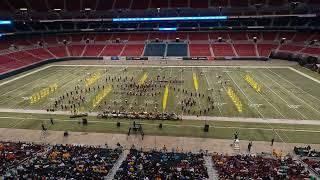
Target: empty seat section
180,35
133,50
215,35
301,37
198,36
161,36
5,60
102,37
287,35
314,51
197,50
23,57
122,4
264,50
289,47
199,3
75,50
139,37
93,50
112,50
179,3
157,49
269,36
59,51
50,39
41,53
4,44
238,36
14,65
76,37
141,4
177,50
245,49
251,35
222,50
122,36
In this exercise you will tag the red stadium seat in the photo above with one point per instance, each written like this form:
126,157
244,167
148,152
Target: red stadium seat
133,50
76,50
245,50
199,50
238,36
269,36
312,51
93,50
139,37
59,51
288,47
103,37
112,50
264,50
41,53
222,50
161,36
199,36
180,35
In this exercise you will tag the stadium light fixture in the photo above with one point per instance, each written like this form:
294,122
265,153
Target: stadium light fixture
23,9
5,22
167,29
169,18
87,9
57,9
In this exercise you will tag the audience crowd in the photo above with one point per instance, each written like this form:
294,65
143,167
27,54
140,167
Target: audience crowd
11,154
64,162
310,157
156,165
258,167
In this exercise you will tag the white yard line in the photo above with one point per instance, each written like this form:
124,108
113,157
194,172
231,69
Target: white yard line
302,115
24,75
214,97
146,65
209,118
294,95
261,115
271,104
30,82
305,75
293,85
172,125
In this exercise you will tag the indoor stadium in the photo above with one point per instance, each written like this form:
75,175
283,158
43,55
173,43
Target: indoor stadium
160,89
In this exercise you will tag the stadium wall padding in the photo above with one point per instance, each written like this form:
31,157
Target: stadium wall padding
41,63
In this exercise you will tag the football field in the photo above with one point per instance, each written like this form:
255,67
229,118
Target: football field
210,92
